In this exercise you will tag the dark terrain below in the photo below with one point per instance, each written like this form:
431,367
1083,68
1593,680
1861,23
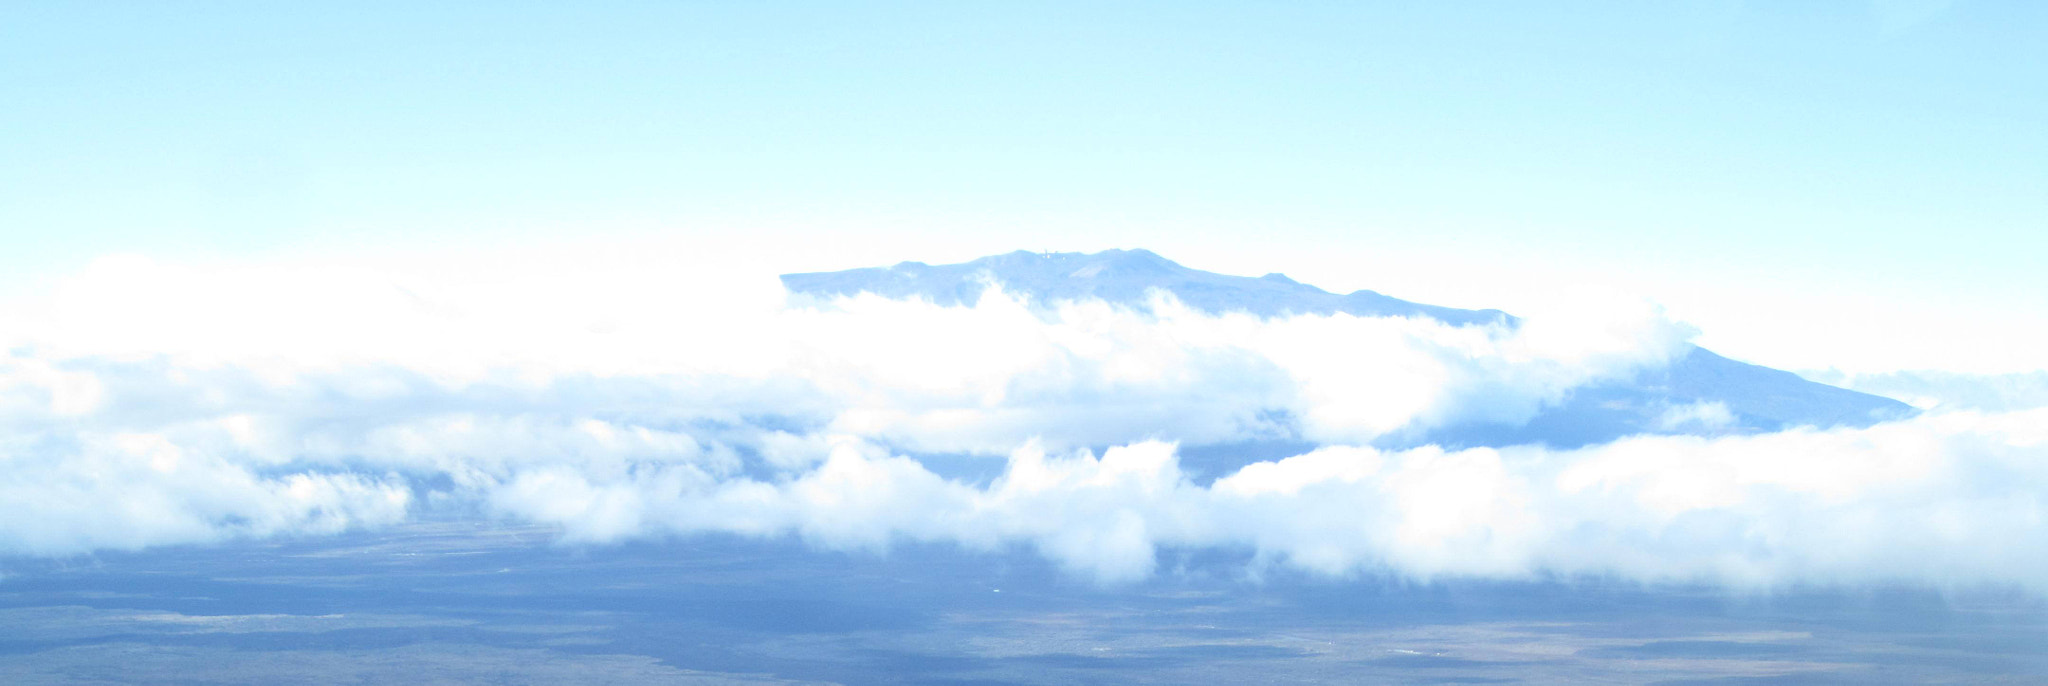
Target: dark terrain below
464,602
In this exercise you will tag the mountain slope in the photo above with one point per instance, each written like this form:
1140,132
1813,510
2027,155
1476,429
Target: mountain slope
1118,276
1755,399
1723,395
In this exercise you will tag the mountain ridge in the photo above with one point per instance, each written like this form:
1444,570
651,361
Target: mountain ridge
1755,398
1120,276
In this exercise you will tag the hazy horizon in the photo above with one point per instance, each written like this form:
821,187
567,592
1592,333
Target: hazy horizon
1702,342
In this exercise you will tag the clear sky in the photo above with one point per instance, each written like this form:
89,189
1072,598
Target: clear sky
1810,181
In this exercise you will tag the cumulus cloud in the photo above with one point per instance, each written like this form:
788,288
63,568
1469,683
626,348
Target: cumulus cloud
1947,499
130,490
980,378
147,403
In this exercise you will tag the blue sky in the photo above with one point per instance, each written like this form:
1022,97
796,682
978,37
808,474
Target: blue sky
1714,156
277,270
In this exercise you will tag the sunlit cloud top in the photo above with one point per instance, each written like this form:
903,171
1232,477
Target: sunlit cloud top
151,402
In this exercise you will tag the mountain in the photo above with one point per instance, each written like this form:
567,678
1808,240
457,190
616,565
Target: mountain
1757,398
1118,276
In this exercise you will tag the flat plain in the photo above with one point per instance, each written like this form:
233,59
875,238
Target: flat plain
460,602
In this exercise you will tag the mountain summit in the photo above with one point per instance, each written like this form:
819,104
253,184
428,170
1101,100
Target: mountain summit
1119,276
1756,398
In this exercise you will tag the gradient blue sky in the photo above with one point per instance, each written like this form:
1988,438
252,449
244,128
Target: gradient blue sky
1723,158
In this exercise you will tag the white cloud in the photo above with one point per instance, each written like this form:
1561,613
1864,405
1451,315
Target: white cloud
149,403
950,379
1949,499
131,490
1699,417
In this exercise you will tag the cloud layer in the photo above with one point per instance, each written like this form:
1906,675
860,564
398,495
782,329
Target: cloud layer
623,396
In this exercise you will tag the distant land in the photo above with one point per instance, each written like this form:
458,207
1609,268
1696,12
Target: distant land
1757,399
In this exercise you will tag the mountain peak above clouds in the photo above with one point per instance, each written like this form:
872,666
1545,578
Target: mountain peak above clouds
1118,276
1728,395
